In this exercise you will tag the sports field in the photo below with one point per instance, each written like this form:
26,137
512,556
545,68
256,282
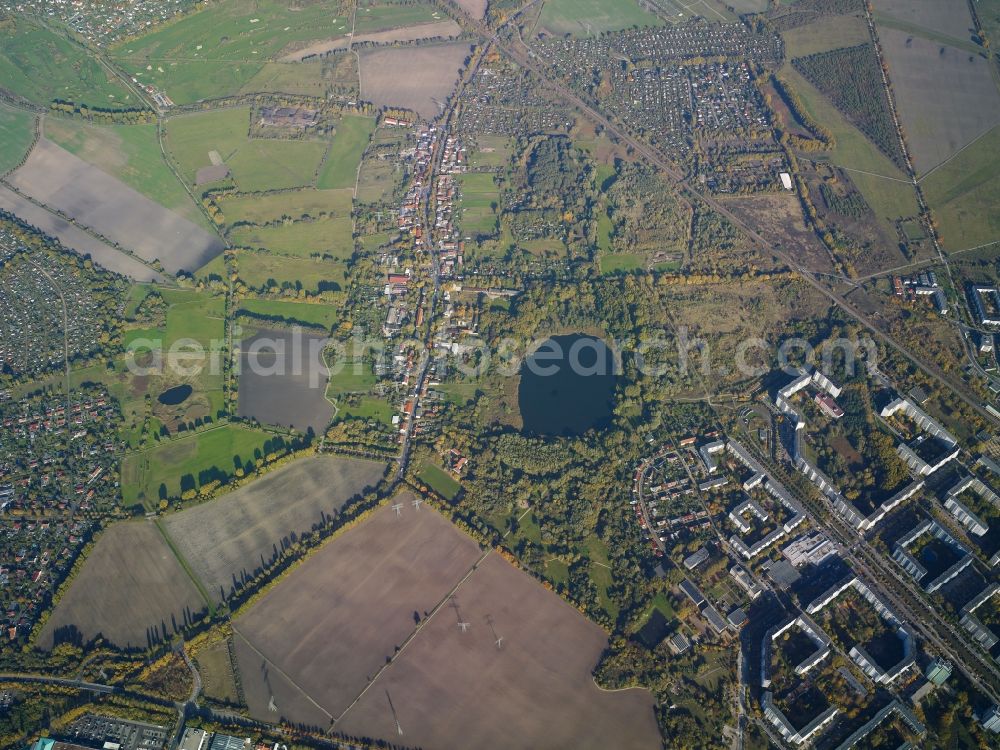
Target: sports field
217,50
325,237
42,66
95,199
340,169
480,196
17,129
132,154
255,163
190,461
225,540
591,17
440,481
132,590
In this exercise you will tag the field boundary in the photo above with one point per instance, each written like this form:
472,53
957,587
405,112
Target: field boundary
416,631
279,670
182,561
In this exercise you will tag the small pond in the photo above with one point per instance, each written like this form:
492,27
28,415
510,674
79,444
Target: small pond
176,395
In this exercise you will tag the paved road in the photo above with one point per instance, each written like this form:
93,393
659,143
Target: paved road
93,687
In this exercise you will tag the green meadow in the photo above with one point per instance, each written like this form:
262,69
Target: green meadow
16,135
190,461
292,312
439,480
300,238
340,170
255,163
43,66
262,209
580,17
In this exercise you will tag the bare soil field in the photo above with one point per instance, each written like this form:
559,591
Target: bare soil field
286,390
263,683
475,8
75,239
949,17
57,178
453,689
132,590
946,96
331,624
229,538
416,78
438,29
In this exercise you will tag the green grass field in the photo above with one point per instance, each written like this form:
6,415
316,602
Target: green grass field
302,78
604,229
216,51
571,16
964,195
256,164
301,238
294,312
439,480
261,209
479,195
341,167
492,151
349,376
42,66
190,315
132,154
620,263
368,408
166,464
257,269
379,17
16,135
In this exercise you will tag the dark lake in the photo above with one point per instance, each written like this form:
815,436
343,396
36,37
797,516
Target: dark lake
567,386
176,395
